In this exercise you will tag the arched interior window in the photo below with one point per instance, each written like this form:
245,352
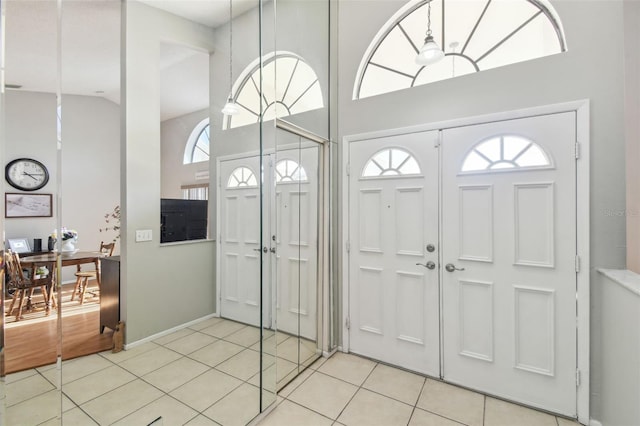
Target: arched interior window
474,35
197,148
290,171
242,177
391,162
292,89
505,152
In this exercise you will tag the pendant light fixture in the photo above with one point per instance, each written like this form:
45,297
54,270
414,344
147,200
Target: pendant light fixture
230,108
430,52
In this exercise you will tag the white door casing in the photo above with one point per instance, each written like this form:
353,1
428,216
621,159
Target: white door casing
393,307
296,178
509,318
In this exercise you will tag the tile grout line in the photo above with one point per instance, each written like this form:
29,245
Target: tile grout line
417,400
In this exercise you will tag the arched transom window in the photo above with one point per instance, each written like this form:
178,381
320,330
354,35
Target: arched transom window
242,177
197,147
289,86
505,152
288,171
475,35
391,162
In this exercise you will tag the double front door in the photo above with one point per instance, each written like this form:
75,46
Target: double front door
462,256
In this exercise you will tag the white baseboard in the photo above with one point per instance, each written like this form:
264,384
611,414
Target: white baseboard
593,422
169,331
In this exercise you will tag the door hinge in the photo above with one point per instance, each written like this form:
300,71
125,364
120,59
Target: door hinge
347,323
348,247
436,143
577,150
577,263
348,169
577,378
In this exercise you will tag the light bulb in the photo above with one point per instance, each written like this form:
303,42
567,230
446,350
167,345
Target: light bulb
430,53
230,108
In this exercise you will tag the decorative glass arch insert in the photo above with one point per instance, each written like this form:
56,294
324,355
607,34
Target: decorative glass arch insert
505,152
293,89
197,147
242,177
478,35
289,171
391,162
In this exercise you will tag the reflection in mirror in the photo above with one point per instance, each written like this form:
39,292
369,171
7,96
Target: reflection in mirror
298,203
185,139
52,65
31,336
300,186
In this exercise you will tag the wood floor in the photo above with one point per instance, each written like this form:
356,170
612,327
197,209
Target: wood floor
35,344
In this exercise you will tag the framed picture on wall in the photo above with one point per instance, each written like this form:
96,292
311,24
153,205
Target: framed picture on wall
28,205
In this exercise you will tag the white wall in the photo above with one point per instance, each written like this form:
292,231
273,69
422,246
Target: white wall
31,132
90,162
163,286
574,75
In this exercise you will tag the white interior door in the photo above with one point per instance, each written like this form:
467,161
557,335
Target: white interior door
393,303
508,225
296,178
239,233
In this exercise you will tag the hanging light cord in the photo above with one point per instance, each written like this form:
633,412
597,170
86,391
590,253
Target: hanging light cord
429,19
230,49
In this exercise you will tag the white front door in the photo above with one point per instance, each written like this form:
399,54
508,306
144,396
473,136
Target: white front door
239,229
393,302
296,178
509,227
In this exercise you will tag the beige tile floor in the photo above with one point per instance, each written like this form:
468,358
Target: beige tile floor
353,391
207,374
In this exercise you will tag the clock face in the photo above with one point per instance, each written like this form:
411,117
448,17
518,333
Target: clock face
26,174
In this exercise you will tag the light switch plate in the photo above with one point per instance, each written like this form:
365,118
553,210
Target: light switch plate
143,235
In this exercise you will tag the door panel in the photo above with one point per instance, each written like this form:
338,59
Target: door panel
508,225
394,306
297,240
239,210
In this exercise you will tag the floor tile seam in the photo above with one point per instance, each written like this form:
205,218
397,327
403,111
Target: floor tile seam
484,409
172,340
299,384
31,397
79,408
209,406
95,372
337,378
231,375
312,410
102,394
356,392
235,343
48,420
387,396
157,399
210,366
415,405
43,376
441,415
190,334
135,356
89,374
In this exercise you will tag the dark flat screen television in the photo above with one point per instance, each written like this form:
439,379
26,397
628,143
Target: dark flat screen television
183,220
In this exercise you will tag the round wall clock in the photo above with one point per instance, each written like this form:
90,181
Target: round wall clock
26,174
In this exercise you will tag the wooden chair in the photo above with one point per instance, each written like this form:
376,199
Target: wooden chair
82,277
22,285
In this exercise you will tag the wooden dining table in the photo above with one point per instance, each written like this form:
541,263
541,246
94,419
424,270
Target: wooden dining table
76,259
